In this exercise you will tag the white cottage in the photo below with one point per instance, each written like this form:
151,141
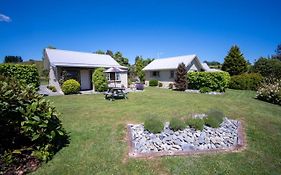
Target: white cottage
80,66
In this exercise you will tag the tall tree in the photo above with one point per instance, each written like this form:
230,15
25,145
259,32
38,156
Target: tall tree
277,53
180,81
268,67
109,52
234,62
99,52
12,59
118,56
138,68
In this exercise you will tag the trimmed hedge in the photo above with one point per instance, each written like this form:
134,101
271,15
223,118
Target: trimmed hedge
70,86
27,74
216,81
153,82
245,81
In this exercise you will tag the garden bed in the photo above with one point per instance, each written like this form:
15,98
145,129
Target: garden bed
198,91
228,137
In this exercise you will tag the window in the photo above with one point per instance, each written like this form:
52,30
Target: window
172,74
113,76
155,74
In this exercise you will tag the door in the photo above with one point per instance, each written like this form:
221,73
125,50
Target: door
85,79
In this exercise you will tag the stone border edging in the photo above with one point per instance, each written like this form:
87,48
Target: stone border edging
241,145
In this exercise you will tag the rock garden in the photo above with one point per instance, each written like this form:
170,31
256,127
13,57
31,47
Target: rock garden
196,134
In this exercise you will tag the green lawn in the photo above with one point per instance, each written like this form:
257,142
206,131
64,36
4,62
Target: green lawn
98,144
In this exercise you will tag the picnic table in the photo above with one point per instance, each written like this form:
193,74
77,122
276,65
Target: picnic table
115,93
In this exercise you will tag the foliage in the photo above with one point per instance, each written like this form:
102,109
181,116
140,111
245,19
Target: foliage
52,88
70,86
195,123
205,90
138,69
118,56
216,81
27,74
171,85
63,77
177,124
180,80
277,53
153,125
153,82
139,86
234,62
268,67
100,52
160,84
212,63
247,81
99,80
214,118
270,91
29,124
12,59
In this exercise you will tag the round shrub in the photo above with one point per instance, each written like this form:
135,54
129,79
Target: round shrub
99,80
153,82
29,124
70,86
153,125
245,81
195,123
205,90
214,118
177,124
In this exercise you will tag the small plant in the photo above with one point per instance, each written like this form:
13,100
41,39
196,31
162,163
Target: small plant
153,125
160,84
214,118
195,123
205,90
171,85
177,124
153,83
70,86
52,88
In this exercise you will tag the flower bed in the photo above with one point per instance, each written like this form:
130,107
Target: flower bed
198,91
143,143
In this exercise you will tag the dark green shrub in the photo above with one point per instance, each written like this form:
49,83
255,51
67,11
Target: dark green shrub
153,125
29,124
171,85
99,80
153,82
180,80
27,74
195,123
177,124
214,118
245,81
52,88
70,86
216,81
270,91
267,67
205,90
160,84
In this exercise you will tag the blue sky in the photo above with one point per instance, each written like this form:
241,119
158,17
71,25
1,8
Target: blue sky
144,27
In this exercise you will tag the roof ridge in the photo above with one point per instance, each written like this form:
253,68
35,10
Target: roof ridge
77,51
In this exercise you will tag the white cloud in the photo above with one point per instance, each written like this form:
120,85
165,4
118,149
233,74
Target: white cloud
4,18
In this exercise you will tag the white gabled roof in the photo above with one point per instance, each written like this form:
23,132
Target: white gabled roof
68,58
171,62
208,69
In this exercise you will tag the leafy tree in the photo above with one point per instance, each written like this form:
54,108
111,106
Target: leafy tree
51,47
109,52
139,72
234,62
268,67
99,80
180,81
118,56
12,59
100,52
212,63
277,53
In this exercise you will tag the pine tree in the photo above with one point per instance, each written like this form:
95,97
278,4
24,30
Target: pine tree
180,81
234,62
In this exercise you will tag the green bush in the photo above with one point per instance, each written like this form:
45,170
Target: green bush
216,81
153,83
177,124
52,88
70,86
29,124
160,84
99,80
270,68
214,118
153,125
195,123
205,90
270,92
27,74
245,81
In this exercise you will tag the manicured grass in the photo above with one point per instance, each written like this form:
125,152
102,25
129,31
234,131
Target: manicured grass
98,144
